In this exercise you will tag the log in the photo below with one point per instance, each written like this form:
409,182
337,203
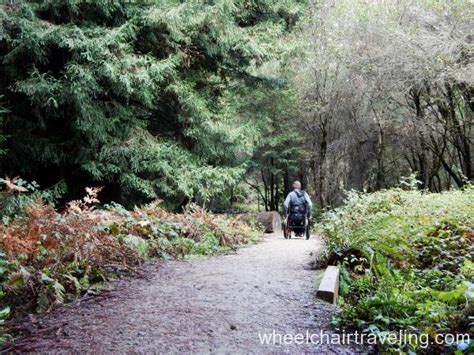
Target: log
329,286
271,221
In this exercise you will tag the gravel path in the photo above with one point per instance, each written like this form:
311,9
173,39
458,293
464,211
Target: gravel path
219,304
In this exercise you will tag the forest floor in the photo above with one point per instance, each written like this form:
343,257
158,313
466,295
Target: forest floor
221,304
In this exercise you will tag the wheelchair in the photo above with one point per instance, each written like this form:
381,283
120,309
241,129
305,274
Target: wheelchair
297,224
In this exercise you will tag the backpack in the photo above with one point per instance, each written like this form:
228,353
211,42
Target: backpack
298,206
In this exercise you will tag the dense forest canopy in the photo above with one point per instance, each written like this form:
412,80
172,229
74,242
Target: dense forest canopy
230,100
150,99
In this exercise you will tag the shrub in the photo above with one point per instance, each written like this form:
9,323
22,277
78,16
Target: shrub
406,260
48,258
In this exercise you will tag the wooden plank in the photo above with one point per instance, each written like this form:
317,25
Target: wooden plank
329,286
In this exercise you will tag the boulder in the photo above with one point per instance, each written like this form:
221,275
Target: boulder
271,221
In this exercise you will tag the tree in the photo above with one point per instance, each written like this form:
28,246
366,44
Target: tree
139,97
278,155
386,89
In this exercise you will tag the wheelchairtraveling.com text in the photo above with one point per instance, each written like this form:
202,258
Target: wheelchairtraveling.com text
402,337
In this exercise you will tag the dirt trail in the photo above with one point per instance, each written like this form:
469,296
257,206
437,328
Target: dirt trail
218,304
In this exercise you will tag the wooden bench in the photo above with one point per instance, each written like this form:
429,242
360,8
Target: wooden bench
329,286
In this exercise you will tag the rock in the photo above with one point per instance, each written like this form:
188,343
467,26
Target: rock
271,221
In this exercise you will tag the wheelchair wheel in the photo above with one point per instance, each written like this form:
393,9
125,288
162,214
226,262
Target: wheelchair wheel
308,232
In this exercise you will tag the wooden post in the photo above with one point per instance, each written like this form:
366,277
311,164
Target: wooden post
329,286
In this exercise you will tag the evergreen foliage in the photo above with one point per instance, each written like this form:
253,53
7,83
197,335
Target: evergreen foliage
144,97
279,152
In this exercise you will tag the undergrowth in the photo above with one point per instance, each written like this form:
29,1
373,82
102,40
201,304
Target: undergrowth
406,261
49,258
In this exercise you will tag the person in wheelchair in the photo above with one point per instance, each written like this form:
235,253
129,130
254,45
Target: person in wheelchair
298,208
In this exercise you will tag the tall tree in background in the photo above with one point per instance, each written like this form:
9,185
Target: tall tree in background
278,156
387,88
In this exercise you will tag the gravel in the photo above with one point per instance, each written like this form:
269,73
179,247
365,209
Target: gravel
208,305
